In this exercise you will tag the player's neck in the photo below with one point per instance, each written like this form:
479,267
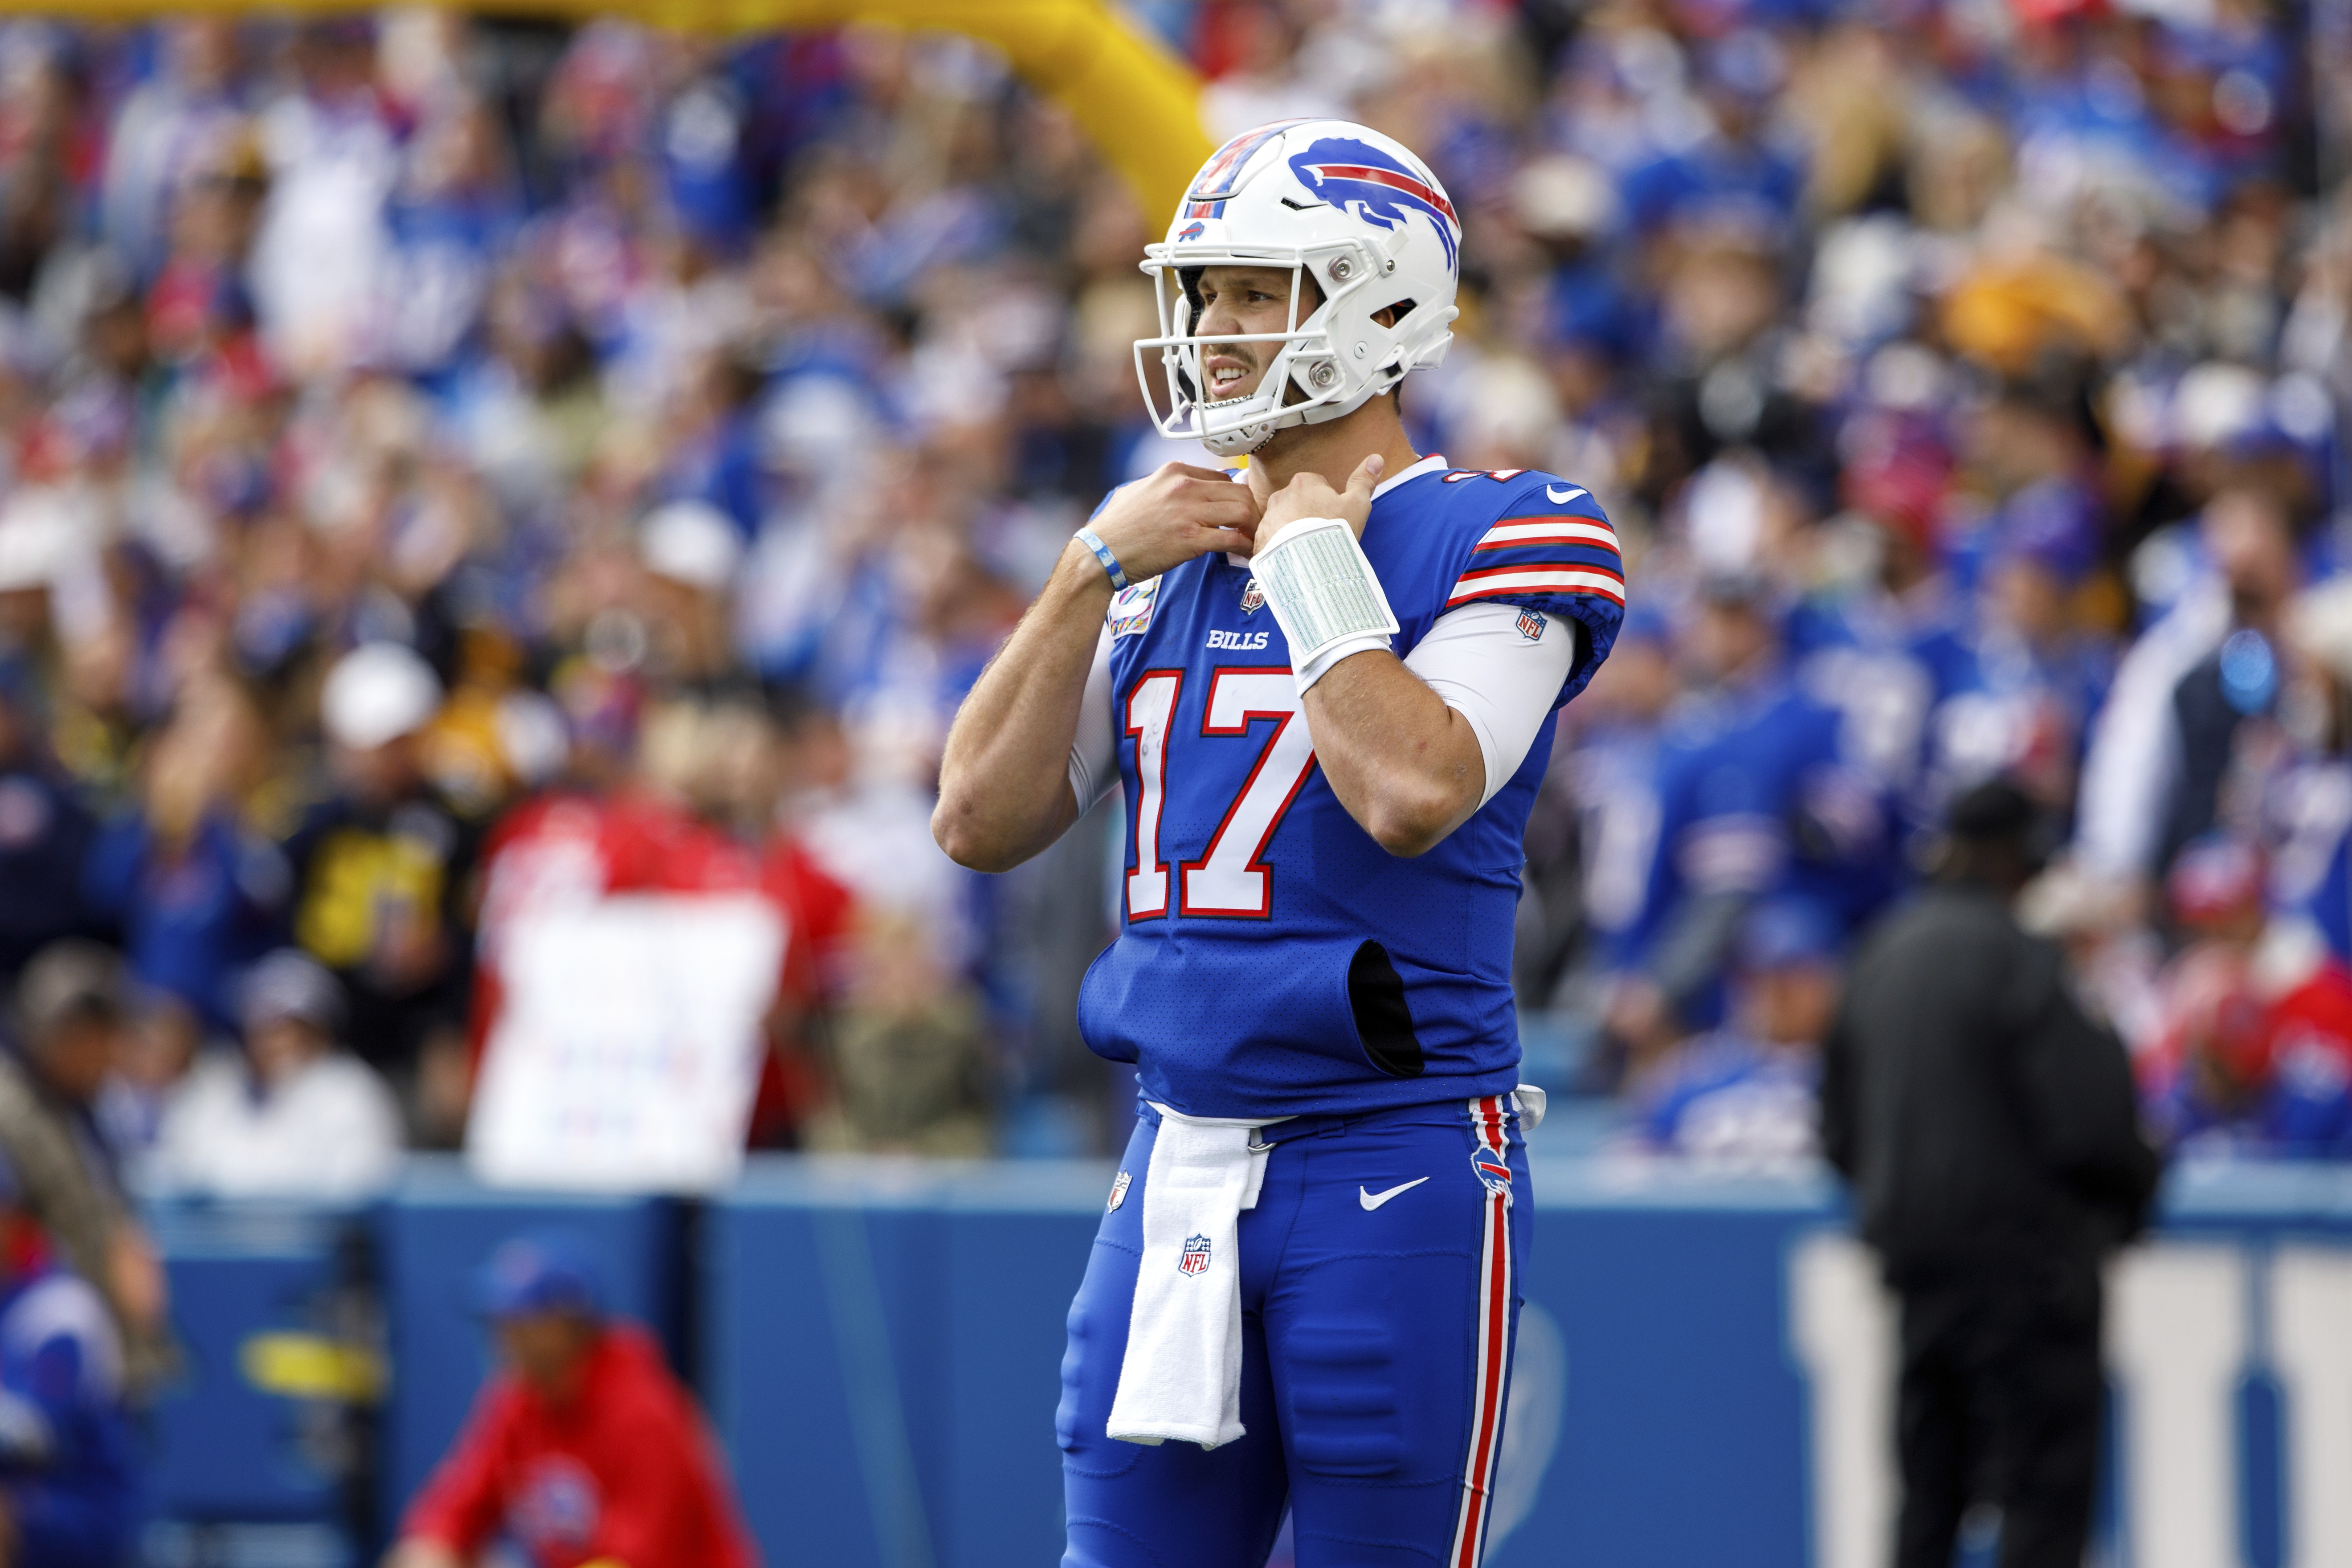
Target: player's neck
1334,449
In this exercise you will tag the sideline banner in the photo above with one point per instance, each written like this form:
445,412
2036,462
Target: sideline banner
628,1052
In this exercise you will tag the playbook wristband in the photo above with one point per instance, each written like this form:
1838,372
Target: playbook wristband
1093,541
1324,593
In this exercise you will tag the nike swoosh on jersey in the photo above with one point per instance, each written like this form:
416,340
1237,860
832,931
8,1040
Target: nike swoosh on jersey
1374,1200
1558,496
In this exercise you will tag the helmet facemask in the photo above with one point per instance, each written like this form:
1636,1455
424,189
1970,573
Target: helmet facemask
1308,380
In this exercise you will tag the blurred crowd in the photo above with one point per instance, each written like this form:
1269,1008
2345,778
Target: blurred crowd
452,467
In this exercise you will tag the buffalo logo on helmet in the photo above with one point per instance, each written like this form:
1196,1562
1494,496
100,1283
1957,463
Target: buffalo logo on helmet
1492,1174
1196,1256
1358,177
1190,231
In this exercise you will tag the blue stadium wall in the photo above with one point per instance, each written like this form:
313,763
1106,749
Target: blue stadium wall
1701,1373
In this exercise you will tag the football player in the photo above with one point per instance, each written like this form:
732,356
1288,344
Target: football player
1325,686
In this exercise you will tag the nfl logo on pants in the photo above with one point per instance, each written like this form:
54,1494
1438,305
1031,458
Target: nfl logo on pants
1196,1256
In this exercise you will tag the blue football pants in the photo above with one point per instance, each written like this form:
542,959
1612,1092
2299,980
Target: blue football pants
1380,1276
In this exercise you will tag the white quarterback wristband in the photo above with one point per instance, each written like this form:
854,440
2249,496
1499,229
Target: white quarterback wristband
1324,595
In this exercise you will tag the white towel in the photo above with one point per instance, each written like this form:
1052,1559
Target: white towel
1182,1374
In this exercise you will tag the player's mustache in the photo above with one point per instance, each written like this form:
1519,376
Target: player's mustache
1252,364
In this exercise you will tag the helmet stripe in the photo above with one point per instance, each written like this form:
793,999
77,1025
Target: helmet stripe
1216,176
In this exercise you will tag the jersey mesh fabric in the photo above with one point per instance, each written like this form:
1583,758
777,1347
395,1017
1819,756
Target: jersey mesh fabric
1249,1013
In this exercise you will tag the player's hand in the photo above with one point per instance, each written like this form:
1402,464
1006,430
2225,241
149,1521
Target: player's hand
1178,512
1311,495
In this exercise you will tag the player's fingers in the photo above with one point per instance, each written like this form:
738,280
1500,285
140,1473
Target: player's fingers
1194,471
1367,474
1222,510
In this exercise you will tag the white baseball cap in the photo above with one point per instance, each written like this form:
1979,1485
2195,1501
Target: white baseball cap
36,538
693,542
376,693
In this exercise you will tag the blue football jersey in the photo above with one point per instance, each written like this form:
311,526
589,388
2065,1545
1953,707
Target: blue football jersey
1273,960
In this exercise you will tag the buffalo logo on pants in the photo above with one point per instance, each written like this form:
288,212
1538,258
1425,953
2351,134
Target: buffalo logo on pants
1495,1175
1196,1256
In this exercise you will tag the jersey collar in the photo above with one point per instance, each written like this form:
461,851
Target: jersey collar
1432,464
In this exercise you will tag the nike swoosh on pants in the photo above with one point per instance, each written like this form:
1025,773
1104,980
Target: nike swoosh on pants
1374,1200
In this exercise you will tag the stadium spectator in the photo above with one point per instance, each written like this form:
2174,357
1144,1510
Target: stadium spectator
1992,1136
1760,790
194,892
1743,1099
2256,1049
45,831
2153,772
69,1460
2306,816
383,869
71,1015
906,1059
584,1448
290,1116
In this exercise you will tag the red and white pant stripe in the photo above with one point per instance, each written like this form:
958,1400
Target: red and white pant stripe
1488,1115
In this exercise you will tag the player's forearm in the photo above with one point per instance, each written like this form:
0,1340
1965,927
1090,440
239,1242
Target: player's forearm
1005,789
1406,766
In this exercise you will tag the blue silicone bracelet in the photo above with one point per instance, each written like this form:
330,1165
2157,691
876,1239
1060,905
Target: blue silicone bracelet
1092,541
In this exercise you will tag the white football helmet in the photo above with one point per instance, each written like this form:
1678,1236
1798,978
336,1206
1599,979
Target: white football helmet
1337,200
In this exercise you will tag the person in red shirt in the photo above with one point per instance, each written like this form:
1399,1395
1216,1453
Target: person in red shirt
2255,1056
583,1450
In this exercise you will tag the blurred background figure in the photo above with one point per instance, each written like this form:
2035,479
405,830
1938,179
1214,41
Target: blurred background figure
1762,789
906,1059
1991,1133
383,869
1741,1097
70,1481
192,890
2255,1055
584,1448
293,1115
71,1017
45,832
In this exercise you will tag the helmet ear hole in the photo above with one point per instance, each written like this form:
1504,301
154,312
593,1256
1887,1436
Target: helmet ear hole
1395,314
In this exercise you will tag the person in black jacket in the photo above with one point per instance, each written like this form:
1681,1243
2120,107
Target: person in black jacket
1989,1128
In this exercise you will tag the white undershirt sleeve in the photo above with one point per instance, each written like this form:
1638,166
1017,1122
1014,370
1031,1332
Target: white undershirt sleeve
1093,755
1487,670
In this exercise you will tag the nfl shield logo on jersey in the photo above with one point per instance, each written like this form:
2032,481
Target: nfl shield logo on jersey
1492,1174
1118,1192
1196,1256
1531,625
1253,598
